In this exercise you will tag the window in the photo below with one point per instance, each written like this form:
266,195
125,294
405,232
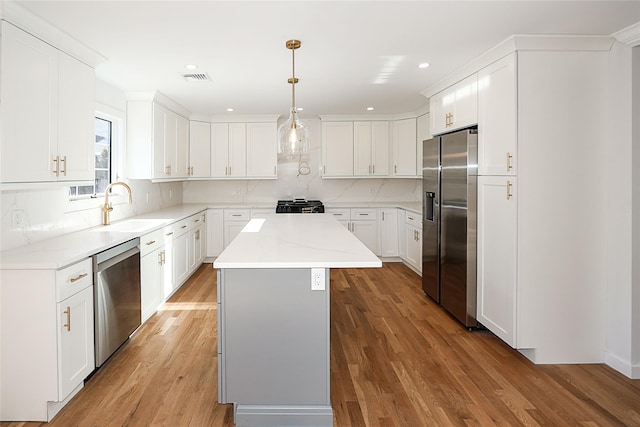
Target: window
103,157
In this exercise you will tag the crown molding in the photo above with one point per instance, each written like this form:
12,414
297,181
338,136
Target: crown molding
629,35
17,15
160,98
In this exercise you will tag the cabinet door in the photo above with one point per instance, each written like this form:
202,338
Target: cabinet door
151,286
424,133
215,232
388,232
402,235
367,233
29,79
237,149
76,120
167,270
497,112
75,341
219,150
497,255
160,169
466,103
337,149
182,148
231,230
404,148
199,247
199,149
180,260
170,143
362,160
262,150
380,148
440,105
414,246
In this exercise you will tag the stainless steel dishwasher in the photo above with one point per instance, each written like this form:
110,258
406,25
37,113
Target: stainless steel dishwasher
116,297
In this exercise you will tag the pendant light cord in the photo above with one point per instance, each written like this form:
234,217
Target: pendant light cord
293,79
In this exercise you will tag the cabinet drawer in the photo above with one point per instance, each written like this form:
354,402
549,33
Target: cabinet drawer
364,214
178,228
341,214
73,279
151,241
413,219
196,220
260,213
237,214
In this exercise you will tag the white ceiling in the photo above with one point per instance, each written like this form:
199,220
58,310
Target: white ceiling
354,54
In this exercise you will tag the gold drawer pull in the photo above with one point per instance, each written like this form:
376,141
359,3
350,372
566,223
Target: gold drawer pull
150,243
509,158
184,226
80,276
509,194
68,324
169,234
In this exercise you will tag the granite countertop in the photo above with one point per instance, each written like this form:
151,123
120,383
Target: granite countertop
58,252
296,241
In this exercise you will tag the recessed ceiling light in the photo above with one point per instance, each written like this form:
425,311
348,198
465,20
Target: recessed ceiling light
424,65
370,108
191,67
230,109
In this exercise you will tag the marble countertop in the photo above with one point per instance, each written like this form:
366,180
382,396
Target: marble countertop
58,252
296,241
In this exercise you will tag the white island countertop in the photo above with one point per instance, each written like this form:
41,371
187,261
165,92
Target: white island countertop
296,241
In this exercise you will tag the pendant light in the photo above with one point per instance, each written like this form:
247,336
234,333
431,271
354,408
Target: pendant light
293,135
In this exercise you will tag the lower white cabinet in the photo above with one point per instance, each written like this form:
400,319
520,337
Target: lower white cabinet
410,239
180,249
46,339
234,222
388,232
497,255
360,221
152,282
215,232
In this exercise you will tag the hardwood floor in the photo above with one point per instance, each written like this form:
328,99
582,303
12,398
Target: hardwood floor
397,359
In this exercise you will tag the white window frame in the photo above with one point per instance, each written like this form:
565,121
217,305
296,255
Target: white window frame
117,119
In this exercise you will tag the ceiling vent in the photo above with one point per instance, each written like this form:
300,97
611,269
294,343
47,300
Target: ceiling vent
195,77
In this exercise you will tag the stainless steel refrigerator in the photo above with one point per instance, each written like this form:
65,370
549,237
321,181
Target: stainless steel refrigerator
449,222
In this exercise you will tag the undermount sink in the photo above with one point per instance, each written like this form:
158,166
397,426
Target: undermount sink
133,225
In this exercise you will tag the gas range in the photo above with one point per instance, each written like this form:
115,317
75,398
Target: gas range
299,206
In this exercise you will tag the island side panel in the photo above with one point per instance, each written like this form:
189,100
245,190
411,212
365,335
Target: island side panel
274,336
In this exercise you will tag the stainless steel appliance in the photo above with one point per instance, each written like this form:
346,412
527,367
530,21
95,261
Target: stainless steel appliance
299,206
116,297
449,222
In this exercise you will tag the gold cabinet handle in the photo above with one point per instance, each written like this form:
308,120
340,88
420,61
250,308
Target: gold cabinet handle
160,257
373,168
184,226
509,193
68,324
150,242
78,277
56,161
198,235
169,234
395,168
509,158
64,171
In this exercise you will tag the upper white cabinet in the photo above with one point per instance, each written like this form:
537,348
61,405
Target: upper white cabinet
262,150
48,110
404,148
371,148
199,149
157,141
424,133
455,107
497,124
337,149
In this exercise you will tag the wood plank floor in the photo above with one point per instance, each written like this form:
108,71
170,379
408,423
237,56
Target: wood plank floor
397,359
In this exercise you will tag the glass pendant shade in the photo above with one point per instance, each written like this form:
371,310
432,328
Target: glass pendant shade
293,139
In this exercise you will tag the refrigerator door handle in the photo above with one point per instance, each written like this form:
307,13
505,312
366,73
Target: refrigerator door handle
429,200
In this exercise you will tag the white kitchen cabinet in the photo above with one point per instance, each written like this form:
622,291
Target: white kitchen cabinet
404,148
337,149
371,148
228,150
497,255
151,281
75,340
360,221
262,150
196,242
180,249
424,133
455,107
497,124
234,222
413,240
157,141
48,110
199,149
388,232
47,339
215,232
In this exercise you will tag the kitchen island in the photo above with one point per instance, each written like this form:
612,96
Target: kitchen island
273,317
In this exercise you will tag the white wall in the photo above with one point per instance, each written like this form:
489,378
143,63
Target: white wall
622,200
47,211
290,185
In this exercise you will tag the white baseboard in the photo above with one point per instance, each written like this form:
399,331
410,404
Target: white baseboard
623,366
